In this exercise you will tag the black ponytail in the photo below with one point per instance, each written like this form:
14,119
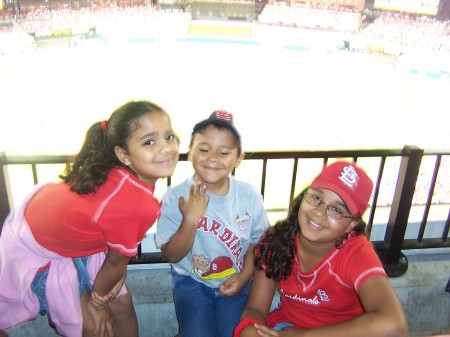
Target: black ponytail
97,155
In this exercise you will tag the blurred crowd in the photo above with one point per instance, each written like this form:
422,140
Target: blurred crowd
391,33
108,21
320,17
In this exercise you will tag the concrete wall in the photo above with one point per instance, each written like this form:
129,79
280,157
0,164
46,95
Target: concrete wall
421,290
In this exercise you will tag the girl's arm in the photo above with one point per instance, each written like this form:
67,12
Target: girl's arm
259,301
113,269
192,210
383,316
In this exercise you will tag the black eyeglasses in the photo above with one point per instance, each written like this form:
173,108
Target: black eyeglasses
334,211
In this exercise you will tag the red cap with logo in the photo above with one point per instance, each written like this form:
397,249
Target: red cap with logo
219,265
220,117
348,181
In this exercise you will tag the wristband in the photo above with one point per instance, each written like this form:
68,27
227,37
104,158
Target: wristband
243,324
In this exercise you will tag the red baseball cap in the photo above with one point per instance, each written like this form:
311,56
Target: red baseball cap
220,265
220,117
348,181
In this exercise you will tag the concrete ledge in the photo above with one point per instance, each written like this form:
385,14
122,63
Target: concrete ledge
421,290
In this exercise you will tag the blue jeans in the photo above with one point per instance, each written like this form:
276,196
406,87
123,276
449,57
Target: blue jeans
280,326
203,311
40,280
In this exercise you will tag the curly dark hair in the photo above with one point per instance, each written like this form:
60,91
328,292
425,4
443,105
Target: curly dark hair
276,250
97,155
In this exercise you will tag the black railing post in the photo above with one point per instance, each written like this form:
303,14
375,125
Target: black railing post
4,200
394,261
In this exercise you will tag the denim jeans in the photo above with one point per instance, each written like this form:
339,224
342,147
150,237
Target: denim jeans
280,326
203,311
40,281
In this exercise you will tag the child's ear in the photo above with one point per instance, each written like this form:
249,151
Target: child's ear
239,159
122,155
353,224
189,155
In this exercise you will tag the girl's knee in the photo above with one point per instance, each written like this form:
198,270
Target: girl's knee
122,306
125,319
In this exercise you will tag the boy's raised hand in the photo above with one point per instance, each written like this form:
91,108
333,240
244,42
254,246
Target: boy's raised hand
195,206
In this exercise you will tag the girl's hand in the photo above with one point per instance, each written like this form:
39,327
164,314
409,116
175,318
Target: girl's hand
100,301
103,320
265,331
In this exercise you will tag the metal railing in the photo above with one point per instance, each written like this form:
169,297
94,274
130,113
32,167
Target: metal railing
412,185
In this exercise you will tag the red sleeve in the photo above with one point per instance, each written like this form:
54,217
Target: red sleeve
125,222
362,261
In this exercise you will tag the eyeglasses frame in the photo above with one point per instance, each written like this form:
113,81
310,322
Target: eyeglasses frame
326,207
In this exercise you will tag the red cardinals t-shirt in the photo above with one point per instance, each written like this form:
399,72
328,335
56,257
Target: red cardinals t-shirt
329,293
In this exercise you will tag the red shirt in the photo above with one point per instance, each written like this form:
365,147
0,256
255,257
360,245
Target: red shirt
116,216
329,293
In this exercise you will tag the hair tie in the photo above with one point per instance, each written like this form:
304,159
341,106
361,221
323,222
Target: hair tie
104,127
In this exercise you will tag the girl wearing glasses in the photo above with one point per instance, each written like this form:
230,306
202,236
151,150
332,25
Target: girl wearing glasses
330,279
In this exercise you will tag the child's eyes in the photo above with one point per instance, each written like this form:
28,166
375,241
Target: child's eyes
171,137
152,141
222,153
317,198
336,210
149,142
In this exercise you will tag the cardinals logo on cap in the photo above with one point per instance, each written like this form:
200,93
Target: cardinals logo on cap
349,176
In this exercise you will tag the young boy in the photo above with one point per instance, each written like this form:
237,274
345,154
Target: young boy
208,227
